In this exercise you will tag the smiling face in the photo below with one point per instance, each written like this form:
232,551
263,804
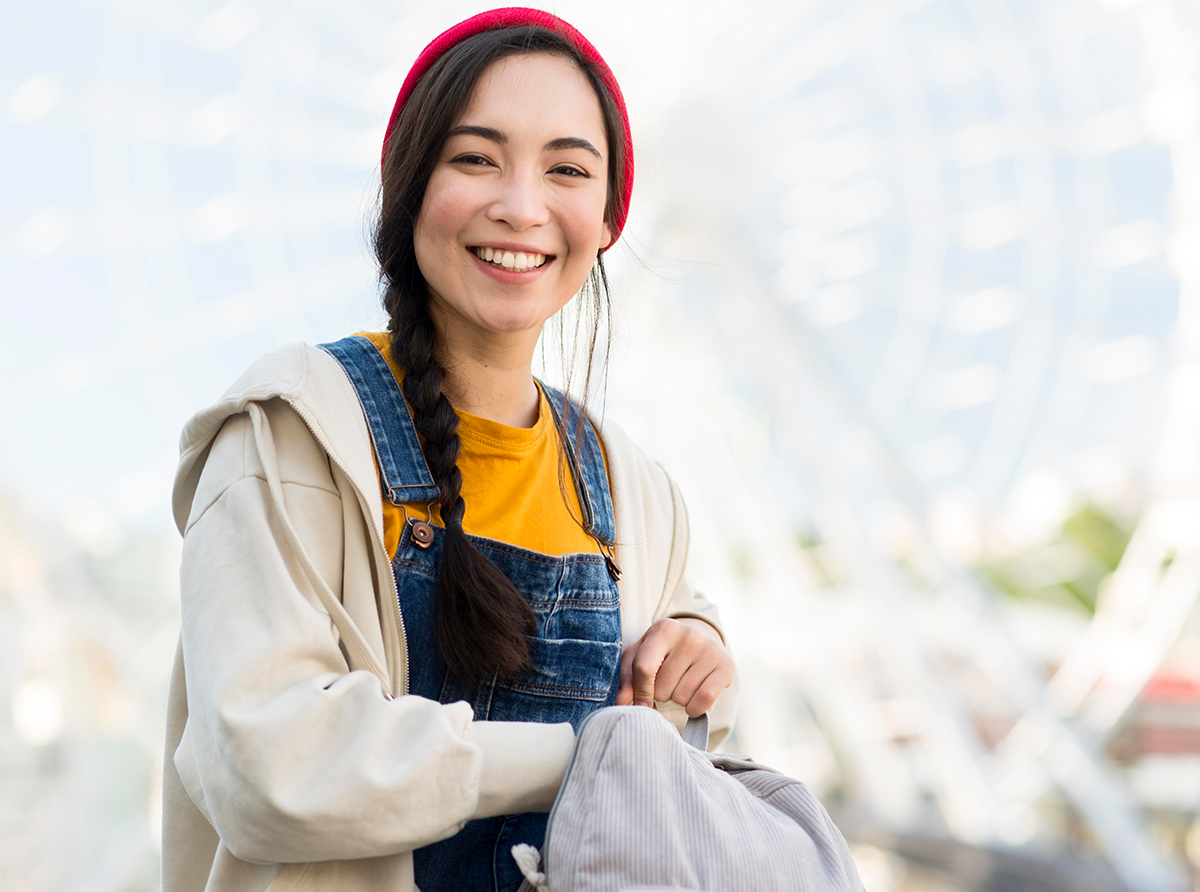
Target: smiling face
513,215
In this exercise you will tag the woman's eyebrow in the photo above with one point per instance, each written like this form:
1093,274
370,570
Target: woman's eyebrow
488,133
493,135
571,142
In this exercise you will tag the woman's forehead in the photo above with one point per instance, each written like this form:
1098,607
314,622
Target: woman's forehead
539,95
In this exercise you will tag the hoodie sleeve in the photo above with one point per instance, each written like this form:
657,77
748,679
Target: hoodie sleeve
289,754
694,605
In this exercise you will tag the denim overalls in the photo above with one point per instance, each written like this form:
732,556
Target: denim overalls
576,653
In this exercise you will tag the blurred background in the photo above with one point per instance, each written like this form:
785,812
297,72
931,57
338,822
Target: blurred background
909,304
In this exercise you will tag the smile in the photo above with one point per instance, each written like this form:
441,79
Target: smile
517,261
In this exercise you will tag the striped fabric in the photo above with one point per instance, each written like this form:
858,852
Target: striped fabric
640,810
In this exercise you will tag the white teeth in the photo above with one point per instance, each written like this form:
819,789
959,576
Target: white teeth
519,260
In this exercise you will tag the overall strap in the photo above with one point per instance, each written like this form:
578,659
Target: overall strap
589,474
402,468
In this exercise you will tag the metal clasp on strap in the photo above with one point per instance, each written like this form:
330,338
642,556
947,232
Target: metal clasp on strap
613,570
422,530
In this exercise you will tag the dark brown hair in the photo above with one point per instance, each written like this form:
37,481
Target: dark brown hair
482,619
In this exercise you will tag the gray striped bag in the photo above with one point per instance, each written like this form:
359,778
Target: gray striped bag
642,809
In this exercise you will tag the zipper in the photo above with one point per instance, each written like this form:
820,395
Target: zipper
558,797
378,541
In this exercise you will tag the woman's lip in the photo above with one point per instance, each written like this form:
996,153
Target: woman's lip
512,277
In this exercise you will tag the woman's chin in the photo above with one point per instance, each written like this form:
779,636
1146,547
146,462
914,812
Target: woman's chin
499,319
505,324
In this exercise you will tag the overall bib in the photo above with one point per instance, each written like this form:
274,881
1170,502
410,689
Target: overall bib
575,654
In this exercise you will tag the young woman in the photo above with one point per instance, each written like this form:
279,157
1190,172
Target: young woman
410,570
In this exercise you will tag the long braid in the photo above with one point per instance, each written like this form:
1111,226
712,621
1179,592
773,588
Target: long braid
482,619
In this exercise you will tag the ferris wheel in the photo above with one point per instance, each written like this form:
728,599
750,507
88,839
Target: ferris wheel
972,284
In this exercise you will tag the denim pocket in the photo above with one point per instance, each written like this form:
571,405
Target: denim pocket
570,668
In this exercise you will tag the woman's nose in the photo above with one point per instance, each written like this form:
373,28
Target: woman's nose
521,202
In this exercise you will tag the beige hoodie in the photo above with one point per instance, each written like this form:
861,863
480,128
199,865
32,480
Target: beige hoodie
295,759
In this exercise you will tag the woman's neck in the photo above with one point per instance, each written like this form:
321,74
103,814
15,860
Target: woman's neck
490,377
498,391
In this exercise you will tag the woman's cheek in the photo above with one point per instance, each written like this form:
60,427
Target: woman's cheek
587,212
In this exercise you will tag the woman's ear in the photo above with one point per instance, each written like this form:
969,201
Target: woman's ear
606,238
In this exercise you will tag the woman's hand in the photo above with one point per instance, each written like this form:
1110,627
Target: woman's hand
680,660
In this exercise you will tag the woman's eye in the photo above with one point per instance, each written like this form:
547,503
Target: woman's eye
570,171
475,160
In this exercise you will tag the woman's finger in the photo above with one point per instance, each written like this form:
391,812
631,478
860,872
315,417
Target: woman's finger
651,652
625,685
673,668
687,648
708,686
691,680
674,661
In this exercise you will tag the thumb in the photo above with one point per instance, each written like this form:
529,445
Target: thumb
644,668
625,686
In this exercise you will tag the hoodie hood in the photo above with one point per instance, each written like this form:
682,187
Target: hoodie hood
311,382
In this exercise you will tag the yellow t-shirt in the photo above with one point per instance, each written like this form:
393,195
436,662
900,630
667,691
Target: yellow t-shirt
510,484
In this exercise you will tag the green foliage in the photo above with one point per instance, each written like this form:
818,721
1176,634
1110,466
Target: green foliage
1069,569
1098,533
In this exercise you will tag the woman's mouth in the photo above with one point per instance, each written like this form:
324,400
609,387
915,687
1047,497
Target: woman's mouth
514,261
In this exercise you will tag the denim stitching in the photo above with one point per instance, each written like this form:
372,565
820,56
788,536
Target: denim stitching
352,354
550,690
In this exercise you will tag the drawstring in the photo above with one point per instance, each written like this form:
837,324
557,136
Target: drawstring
529,860
352,638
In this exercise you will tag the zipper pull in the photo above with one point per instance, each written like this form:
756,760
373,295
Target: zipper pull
613,570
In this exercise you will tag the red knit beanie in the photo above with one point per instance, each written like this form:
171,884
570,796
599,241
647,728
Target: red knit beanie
516,17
